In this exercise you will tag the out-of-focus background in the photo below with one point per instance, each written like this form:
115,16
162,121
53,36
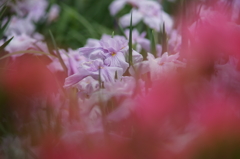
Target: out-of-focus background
83,19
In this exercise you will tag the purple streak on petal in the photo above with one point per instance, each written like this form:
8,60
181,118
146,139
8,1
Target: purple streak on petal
114,44
117,60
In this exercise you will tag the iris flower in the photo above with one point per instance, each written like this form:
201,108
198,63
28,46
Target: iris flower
158,66
147,10
110,50
71,59
93,68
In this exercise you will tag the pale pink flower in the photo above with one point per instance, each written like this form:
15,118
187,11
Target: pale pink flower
152,15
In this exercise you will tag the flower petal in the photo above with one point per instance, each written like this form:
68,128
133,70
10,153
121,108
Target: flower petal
108,73
136,57
116,6
74,79
117,60
136,18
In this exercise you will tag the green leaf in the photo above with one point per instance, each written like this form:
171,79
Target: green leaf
4,3
58,54
99,78
5,44
164,40
116,75
101,28
121,30
153,43
113,34
80,19
4,28
2,11
2,129
130,43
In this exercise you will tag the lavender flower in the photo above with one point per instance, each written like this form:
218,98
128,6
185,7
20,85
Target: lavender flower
140,41
92,68
72,60
33,9
110,50
175,41
86,87
19,26
147,10
24,42
163,64
20,43
158,66
117,5
53,13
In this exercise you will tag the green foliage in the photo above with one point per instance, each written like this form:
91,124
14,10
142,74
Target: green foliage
78,21
130,43
3,24
5,44
153,43
164,40
58,54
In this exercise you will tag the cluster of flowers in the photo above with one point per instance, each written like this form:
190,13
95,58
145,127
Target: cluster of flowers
150,12
127,96
21,25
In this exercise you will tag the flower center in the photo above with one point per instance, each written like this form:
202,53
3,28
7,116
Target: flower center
113,53
161,64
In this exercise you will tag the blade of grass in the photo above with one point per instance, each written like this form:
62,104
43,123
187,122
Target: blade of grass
4,3
130,43
116,75
58,54
99,78
164,40
113,34
101,28
121,30
80,19
76,36
5,44
153,43
2,11
3,28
